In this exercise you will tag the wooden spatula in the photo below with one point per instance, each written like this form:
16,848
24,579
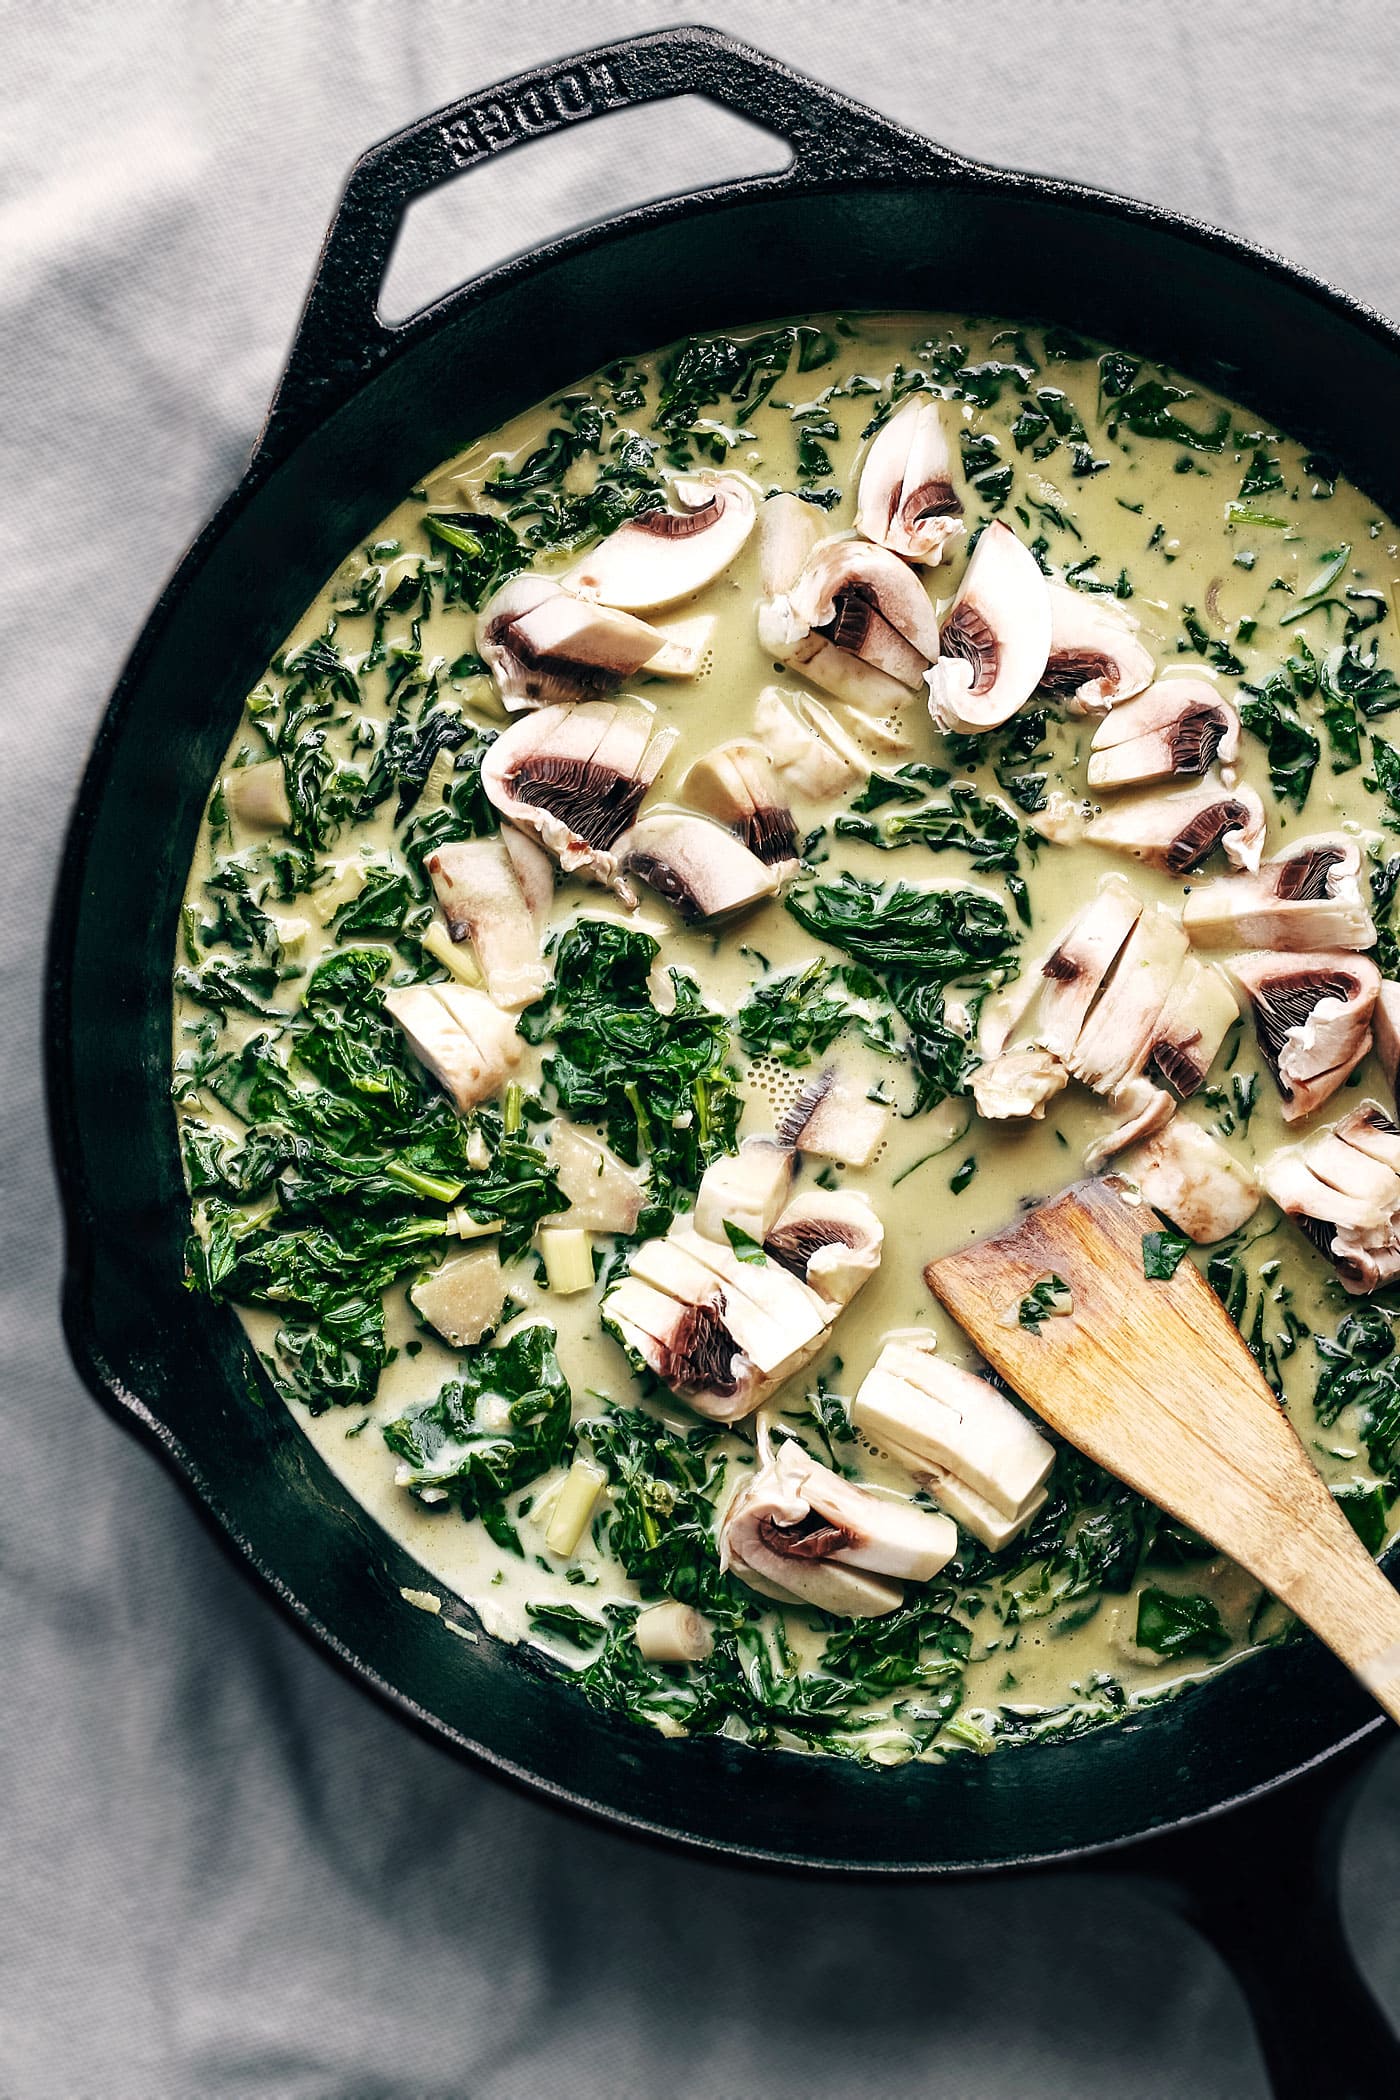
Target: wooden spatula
1155,1383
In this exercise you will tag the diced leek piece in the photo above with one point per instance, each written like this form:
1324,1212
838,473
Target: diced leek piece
568,1258
583,1483
456,957
324,902
467,1227
672,1633
440,776
291,933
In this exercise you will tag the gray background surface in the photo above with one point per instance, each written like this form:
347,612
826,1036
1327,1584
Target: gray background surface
225,1873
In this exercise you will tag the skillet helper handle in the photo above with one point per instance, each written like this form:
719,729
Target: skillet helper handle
340,338
1261,1883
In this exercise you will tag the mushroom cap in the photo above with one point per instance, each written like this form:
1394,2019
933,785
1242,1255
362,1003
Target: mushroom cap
687,1346
1018,1084
1142,1109
459,1035
736,783
544,647
933,1415
995,638
575,776
906,499
1176,730
1074,973
830,1238
747,1189
1312,1014
1194,1181
1306,897
788,530
832,1118
857,622
1113,1043
476,883
1095,657
1179,832
658,557
698,866
1387,1028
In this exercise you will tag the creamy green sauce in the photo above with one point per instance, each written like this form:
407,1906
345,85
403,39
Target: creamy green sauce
1217,580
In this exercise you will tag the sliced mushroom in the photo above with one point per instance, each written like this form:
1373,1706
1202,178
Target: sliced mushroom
687,1346
776,1328
604,1194
906,499
575,776
833,1119
954,1431
1095,659
1114,1041
1343,1187
1189,1176
830,1238
812,755
746,1190
788,531
1073,975
1142,1109
995,639
736,783
1307,896
462,1037
543,646
1313,1014
1199,1013
799,1532
687,649
483,902
857,622
697,866
1180,832
465,1298
658,557
1386,1022
1017,1085
1176,731
534,871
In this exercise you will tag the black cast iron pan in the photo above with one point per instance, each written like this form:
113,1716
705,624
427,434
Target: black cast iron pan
867,215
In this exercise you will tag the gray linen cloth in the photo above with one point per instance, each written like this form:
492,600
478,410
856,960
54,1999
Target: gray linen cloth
225,1872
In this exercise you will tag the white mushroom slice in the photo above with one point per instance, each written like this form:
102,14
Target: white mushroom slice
995,639
830,1238
1312,1013
543,646
1386,1022
1180,832
659,557
1307,896
604,1195
906,499
575,777
464,1040
1176,731
686,651
465,1298
1343,1187
788,531
1199,1013
1143,1109
770,1346
811,763
1370,1130
746,1190
1095,657
476,884
976,1514
736,783
1073,975
858,623
931,1415
796,1523
1189,1176
688,1347
534,871
1115,1039
767,1285
697,866
672,1633
1017,1085
256,796
1061,821
1297,1187
832,1119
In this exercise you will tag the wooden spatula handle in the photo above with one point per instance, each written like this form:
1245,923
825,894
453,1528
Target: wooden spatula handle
1350,1605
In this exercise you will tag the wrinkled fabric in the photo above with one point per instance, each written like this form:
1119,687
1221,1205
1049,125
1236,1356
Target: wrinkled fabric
225,1872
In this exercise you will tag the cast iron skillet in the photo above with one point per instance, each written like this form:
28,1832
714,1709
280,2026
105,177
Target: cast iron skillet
867,215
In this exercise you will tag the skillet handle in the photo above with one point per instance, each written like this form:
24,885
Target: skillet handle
1261,1883
340,338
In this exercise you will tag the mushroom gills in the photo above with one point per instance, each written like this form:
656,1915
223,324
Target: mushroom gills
1195,1182
477,884
1176,731
696,865
687,1346
737,784
955,1430
1199,1012
833,1119
543,646
831,1239
575,777
906,500
1306,897
1312,1015
857,622
1095,659
462,1038
995,639
1342,1186
1180,832
657,557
